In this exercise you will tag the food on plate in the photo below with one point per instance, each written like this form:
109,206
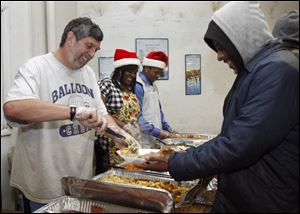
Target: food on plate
127,152
131,150
131,166
132,145
115,158
177,190
168,150
135,158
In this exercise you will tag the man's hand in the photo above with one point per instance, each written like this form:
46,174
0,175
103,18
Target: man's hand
91,118
164,134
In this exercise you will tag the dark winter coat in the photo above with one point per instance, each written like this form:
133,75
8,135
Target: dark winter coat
256,155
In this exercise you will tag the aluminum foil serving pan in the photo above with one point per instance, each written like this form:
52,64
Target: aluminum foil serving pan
148,200
188,140
183,143
194,136
180,191
207,195
134,168
67,204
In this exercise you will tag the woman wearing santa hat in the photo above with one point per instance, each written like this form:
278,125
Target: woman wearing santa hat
151,119
117,93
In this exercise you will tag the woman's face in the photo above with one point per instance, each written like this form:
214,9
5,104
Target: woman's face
129,75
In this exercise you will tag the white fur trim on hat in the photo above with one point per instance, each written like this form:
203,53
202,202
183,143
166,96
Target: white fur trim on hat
154,63
126,61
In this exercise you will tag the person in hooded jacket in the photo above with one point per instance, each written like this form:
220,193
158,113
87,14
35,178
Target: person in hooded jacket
256,154
286,28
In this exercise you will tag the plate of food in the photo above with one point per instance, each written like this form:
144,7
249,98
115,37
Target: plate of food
136,157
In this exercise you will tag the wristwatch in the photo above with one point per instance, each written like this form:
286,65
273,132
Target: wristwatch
72,112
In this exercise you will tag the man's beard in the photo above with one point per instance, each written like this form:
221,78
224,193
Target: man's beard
77,65
74,59
75,62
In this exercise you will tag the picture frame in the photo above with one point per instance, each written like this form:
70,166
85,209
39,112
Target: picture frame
144,45
106,67
192,74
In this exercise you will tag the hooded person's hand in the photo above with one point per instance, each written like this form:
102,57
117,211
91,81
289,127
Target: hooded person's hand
157,161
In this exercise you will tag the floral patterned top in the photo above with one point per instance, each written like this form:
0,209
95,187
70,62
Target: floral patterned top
129,110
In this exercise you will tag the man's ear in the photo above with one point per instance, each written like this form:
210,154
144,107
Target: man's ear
70,38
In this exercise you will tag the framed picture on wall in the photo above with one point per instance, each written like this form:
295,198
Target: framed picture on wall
144,45
192,74
106,66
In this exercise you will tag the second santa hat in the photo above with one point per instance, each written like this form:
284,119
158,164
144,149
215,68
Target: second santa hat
156,59
123,57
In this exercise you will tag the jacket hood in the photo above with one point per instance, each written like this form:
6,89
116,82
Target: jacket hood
245,26
287,28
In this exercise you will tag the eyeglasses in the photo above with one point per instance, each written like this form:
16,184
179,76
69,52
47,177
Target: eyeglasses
156,71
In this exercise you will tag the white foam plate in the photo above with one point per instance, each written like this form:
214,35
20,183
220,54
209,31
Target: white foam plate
137,160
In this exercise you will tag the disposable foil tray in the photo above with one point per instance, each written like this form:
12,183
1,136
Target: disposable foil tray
190,185
67,204
128,196
195,136
207,195
185,141
142,171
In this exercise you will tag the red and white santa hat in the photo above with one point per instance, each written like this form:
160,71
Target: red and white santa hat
157,59
123,57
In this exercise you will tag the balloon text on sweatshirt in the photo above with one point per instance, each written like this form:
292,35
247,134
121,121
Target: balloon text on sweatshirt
71,88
